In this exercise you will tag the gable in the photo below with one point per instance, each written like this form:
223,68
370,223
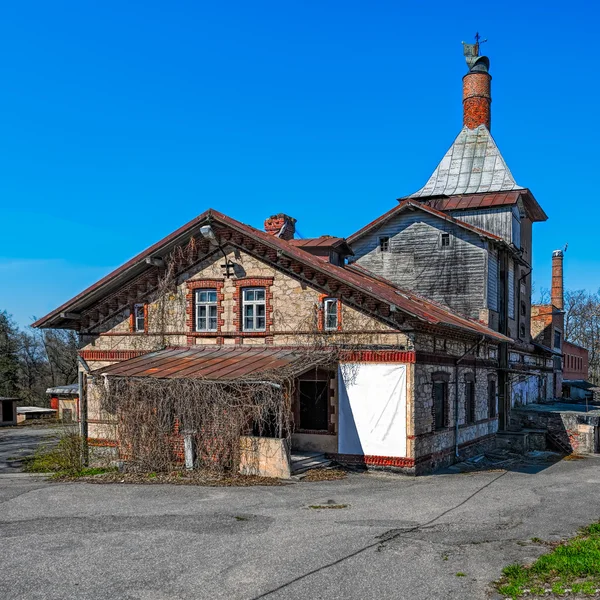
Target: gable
293,311
413,232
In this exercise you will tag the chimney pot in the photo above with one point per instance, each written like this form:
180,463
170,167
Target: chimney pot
281,225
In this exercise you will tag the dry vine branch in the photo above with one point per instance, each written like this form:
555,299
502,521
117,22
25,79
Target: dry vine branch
149,415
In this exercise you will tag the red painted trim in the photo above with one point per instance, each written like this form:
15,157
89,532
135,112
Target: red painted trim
111,354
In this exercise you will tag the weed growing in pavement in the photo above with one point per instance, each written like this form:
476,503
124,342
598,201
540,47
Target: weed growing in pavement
571,567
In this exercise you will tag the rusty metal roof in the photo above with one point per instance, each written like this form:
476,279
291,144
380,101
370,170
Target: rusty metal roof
407,302
472,165
325,241
489,200
210,362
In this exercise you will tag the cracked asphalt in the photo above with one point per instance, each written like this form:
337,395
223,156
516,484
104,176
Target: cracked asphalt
398,538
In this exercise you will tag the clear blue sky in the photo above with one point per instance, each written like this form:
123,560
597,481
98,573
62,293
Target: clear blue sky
120,121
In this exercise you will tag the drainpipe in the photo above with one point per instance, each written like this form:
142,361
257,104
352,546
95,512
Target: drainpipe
458,361
83,411
520,317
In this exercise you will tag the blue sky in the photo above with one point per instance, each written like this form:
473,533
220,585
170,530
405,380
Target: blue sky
120,121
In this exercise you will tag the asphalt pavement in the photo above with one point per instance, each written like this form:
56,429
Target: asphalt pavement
434,537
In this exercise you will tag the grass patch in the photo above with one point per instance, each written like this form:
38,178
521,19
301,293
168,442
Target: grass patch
321,506
63,457
461,574
572,565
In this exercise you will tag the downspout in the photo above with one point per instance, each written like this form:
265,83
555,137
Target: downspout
522,278
458,361
83,410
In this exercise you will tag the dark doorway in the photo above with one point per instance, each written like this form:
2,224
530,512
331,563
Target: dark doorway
67,415
314,404
7,411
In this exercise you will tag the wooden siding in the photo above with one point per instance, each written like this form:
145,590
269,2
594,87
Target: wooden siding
511,290
498,221
453,275
493,274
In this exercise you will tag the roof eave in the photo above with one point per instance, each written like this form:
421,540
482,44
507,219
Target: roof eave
54,320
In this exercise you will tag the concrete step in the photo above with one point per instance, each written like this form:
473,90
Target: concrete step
304,461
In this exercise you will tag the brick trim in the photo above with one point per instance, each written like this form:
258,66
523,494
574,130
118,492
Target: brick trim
190,317
429,358
240,284
375,461
102,355
379,356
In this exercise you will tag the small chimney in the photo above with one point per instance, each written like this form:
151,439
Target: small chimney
557,293
477,89
281,225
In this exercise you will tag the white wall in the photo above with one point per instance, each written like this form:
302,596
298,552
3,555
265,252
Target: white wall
372,409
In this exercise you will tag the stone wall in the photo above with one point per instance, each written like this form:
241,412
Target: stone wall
575,430
293,313
434,448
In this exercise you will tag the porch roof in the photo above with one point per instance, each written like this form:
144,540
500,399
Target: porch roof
214,363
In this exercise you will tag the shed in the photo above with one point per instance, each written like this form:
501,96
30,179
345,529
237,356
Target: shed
26,413
65,399
8,411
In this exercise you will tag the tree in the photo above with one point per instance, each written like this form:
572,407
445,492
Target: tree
9,356
582,326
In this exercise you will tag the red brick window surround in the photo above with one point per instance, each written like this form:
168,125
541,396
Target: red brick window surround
190,306
326,305
238,305
138,318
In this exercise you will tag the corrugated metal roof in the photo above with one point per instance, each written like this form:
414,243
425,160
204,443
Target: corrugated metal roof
472,165
325,241
64,390
209,362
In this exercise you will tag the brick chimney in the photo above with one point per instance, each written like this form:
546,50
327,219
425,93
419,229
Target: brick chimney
281,225
557,292
477,91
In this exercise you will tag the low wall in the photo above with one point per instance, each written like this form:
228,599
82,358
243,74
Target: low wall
265,457
576,430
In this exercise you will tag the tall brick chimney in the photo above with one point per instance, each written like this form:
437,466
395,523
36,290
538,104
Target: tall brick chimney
477,89
281,225
557,292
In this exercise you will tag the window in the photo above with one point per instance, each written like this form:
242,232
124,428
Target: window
139,318
469,401
522,330
384,243
254,309
206,310
523,308
440,402
314,403
491,398
330,314
445,240
557,340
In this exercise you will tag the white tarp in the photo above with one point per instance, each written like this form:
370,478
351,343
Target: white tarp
372,403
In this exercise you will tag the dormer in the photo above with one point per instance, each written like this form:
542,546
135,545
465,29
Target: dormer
330,249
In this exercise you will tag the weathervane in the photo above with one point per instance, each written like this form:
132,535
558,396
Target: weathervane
471,51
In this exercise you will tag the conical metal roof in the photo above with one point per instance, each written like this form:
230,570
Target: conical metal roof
472,165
